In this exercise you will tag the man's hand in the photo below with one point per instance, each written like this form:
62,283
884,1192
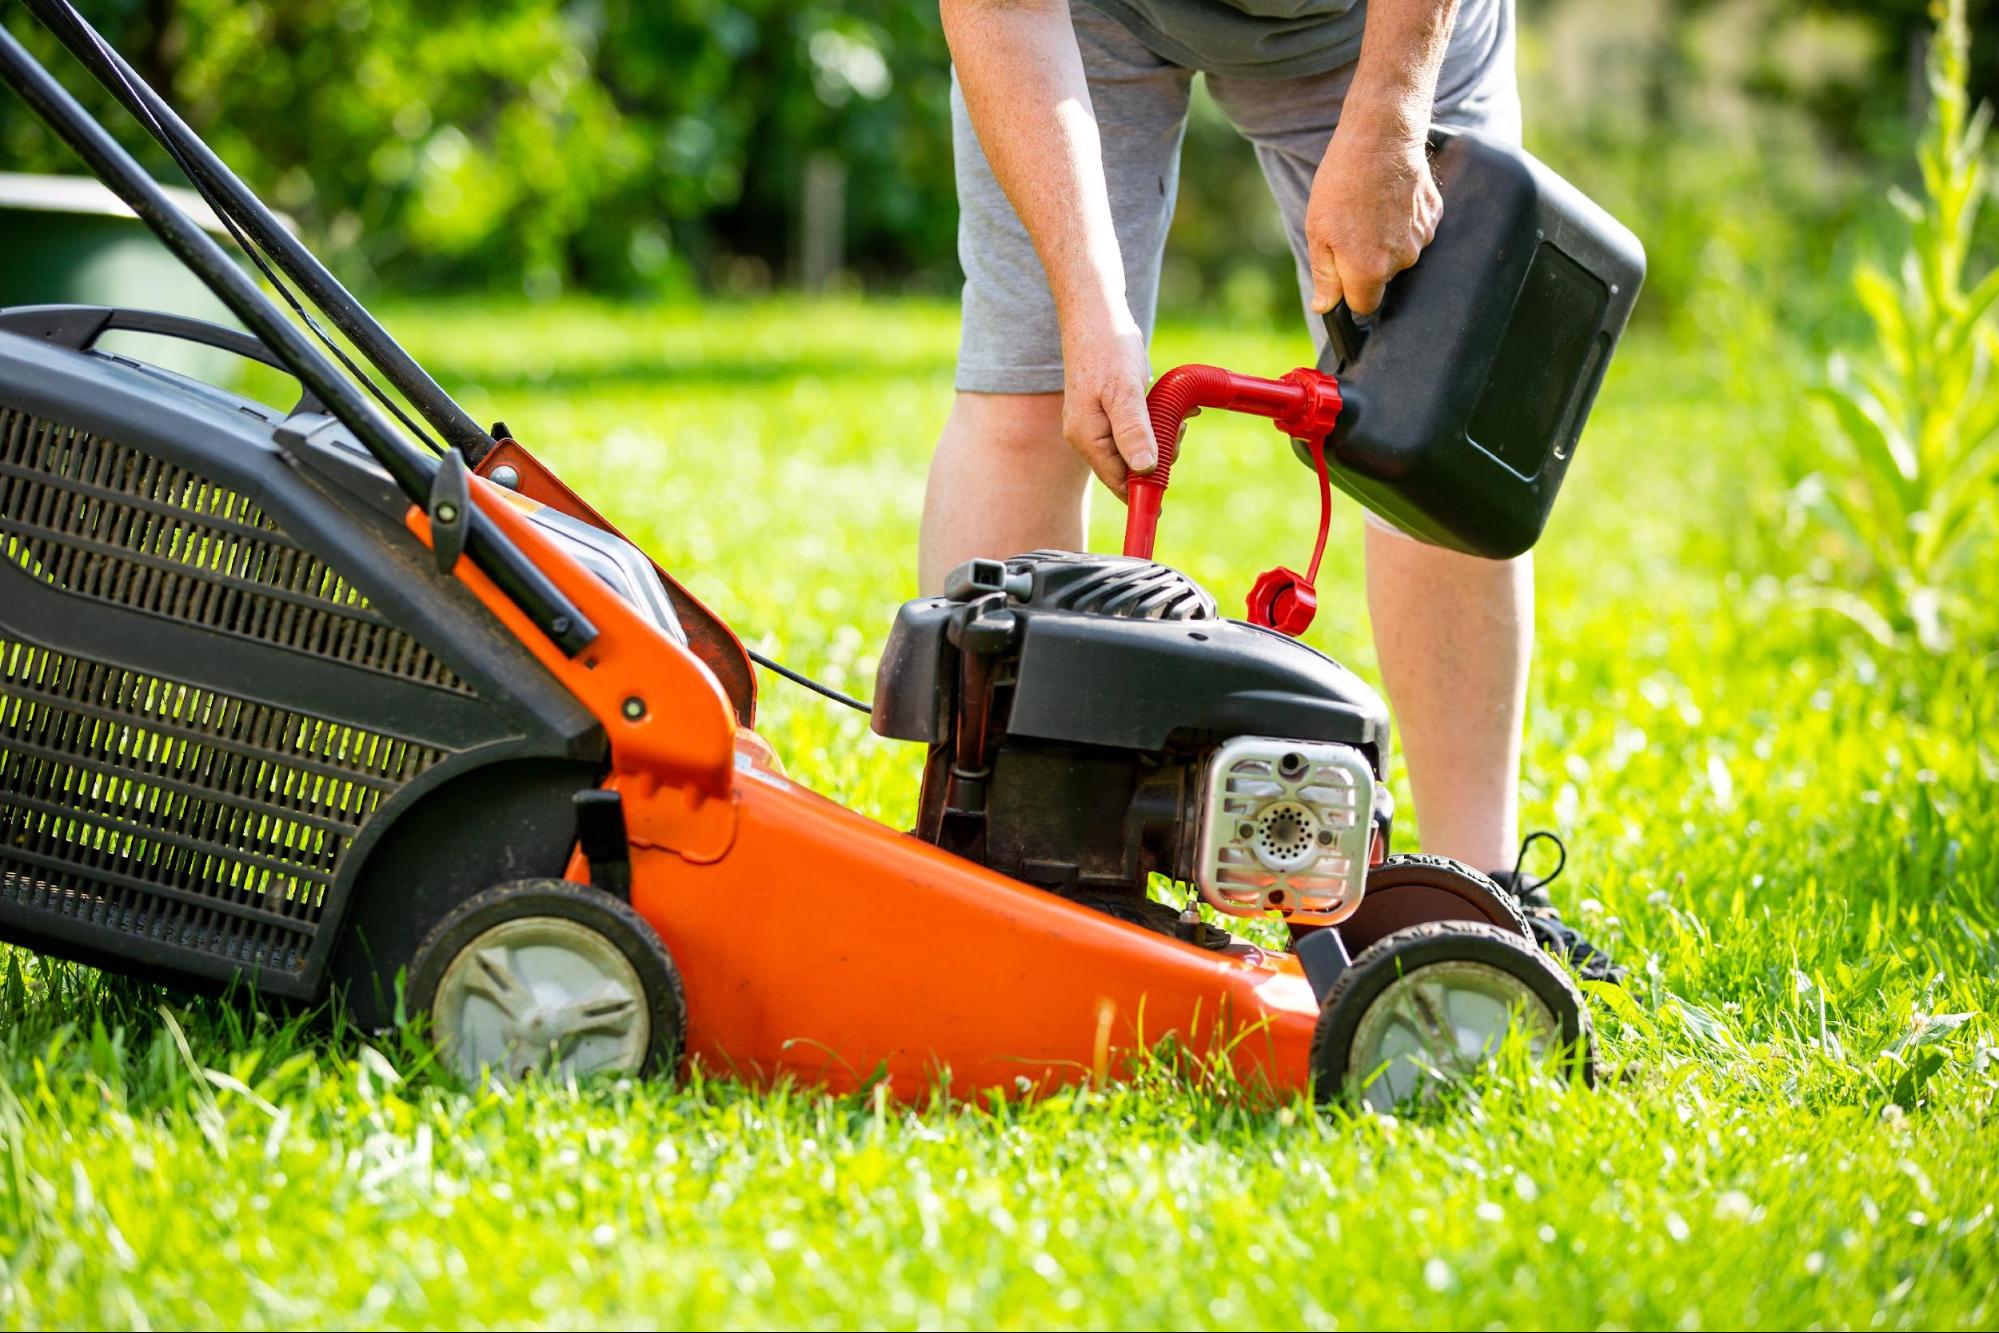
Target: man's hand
1105,375
1374,203
1374,207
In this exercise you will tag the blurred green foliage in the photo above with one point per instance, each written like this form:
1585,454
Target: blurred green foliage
614,144
1908,490
662,145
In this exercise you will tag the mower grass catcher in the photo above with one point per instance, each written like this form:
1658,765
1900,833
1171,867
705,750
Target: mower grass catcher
291,697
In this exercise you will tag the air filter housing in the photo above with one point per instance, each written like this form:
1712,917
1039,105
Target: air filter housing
1285,826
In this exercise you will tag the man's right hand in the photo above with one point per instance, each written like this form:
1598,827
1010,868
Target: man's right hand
1105,375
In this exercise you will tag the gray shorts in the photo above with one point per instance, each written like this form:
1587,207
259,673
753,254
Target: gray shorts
1010,341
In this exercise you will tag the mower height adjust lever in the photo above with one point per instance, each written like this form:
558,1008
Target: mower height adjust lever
450,510
1305,405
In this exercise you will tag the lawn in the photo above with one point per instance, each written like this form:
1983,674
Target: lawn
1783,828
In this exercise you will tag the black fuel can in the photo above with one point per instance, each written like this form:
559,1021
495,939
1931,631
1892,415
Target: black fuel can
1466,392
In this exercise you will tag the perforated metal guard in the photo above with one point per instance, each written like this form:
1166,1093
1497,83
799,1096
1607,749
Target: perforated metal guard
1285,827
106,522
134,804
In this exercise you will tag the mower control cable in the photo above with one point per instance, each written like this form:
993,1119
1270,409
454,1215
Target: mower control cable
1304,404
168,131
212,176
800,678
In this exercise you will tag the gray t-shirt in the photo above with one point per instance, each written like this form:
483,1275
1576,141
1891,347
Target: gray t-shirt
1248,39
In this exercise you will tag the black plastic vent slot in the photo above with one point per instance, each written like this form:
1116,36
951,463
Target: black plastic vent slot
145,807
1113,586
106,522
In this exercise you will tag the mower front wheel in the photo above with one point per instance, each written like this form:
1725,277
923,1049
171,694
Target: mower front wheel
551,977
1428,1005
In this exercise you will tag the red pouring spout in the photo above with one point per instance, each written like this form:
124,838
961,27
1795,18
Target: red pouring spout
1305,405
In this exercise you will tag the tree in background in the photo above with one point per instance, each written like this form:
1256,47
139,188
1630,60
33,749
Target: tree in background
607,145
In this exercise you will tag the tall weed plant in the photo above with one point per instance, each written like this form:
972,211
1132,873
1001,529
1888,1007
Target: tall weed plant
1907,491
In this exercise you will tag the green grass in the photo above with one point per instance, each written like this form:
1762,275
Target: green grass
1786,832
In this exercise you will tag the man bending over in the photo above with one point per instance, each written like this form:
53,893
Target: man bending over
1067,119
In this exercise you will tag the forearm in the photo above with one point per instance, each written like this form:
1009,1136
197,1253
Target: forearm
1401,54
1022,79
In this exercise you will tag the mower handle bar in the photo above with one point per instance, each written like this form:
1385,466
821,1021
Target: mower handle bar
240,204
413,469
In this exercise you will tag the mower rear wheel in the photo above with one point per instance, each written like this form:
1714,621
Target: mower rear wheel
551,977
1428,1005
1410,889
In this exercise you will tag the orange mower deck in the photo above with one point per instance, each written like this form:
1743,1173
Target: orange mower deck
1016,988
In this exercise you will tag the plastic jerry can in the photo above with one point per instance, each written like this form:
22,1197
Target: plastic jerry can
1466,391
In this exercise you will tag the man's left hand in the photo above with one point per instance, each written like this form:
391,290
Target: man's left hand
1374,207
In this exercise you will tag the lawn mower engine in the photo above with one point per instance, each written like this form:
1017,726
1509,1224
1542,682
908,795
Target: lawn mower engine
1092,721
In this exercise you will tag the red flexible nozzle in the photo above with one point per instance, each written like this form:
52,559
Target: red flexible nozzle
1304,404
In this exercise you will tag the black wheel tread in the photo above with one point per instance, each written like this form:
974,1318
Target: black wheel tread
1422,861
1387,958
1484,900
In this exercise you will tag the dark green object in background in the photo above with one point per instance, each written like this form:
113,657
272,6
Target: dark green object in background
68,240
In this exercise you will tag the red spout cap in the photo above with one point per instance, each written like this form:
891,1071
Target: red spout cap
1283,600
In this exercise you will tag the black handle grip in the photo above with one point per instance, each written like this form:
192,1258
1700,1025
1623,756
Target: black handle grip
1346,334
81,326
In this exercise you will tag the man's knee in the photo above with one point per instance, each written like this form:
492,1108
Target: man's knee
1022,429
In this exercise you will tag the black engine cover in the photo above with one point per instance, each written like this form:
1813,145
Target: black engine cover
1069,703
1118,652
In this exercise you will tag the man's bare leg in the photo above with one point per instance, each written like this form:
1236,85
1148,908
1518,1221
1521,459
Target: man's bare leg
1003,481
1454,634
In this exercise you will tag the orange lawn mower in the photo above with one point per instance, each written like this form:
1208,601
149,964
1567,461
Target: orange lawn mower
290,698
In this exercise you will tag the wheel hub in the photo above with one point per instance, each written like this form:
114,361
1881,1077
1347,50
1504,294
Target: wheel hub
541,993
1441,1021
